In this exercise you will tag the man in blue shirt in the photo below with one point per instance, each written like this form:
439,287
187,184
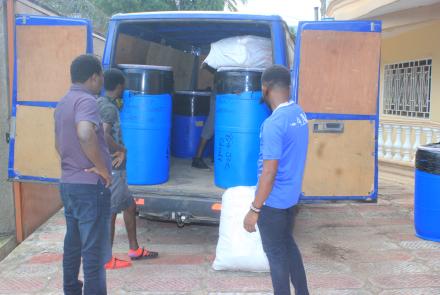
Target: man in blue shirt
283,151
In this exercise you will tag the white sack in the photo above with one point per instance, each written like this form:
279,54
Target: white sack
242,51
237,249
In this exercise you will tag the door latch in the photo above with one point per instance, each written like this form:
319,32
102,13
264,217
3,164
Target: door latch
328,127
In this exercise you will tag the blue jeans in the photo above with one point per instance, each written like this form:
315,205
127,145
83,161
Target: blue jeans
87,212
285,261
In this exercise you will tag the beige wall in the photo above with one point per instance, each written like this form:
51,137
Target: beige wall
349,9
422,42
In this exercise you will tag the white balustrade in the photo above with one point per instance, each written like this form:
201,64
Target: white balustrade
388,142
399,141
428,135
397,145
436,135
407,144
417,133
380,142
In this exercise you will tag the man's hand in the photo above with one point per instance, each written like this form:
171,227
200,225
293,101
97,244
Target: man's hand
104,174
250,221
118,158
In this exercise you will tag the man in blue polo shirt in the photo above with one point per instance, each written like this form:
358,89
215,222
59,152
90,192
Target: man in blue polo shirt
283,151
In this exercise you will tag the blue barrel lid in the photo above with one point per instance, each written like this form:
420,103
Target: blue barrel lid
145,67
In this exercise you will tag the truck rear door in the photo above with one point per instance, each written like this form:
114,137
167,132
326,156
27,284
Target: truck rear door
336,81
44,50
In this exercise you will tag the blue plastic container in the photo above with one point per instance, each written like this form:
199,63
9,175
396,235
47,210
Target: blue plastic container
190,111
146,124
239,115
427,193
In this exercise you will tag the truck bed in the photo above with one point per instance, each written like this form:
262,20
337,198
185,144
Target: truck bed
184,181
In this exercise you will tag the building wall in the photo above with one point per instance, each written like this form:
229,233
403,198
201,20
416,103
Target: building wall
349,9
419,43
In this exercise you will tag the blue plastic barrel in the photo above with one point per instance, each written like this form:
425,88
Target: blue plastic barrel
427,192
239,115
190,111
146,123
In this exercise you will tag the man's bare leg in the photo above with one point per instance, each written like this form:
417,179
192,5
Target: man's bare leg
113,225
114,262
198,159
201,147
130,226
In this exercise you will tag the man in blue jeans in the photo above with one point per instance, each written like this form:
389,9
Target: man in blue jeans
85,178
283,150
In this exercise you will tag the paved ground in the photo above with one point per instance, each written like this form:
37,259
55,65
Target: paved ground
348,248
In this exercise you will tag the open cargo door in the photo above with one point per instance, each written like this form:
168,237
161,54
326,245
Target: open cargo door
336,81
44,50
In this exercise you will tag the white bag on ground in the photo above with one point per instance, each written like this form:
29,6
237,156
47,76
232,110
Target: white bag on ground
242,51
237,249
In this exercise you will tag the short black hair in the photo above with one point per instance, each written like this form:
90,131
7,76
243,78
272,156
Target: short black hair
276,76
113,78
83,67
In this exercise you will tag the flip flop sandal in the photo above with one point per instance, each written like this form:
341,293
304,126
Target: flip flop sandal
116,263
145,255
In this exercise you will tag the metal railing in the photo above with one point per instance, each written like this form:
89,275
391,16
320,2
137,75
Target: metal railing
407,89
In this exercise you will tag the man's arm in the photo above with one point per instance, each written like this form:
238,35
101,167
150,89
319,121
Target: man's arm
89,144
265,185
117,149
272,138
114,147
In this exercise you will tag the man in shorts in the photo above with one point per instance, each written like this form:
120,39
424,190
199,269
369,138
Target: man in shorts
121,198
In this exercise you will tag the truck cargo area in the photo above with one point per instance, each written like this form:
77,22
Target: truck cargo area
190,195
184,181
180,44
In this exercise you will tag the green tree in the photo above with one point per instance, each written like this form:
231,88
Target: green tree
116,6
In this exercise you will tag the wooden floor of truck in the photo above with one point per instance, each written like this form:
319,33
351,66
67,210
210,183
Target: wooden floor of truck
184,181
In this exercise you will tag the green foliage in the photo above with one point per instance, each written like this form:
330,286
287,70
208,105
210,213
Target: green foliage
116,6
99,11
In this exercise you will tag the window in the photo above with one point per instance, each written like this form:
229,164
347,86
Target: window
407,89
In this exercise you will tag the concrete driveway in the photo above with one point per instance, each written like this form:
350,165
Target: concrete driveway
348,248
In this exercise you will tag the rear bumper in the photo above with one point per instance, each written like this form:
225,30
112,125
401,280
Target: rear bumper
182,209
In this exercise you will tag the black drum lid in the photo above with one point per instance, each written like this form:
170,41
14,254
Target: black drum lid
428,158
237,81
156,81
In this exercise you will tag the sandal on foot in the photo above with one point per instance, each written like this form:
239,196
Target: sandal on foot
116,263
142,253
